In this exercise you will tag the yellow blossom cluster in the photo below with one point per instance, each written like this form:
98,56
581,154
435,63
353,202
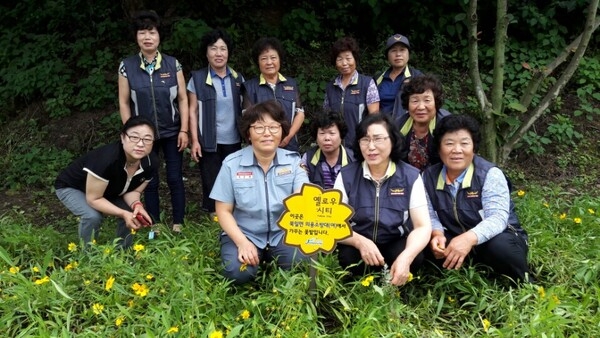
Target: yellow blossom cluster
41,281
71,266
138,247
367,281
72,247
140,289
97,308
109,283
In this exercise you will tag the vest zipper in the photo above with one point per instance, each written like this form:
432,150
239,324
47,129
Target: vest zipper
268,209
376,225
154,104
456,214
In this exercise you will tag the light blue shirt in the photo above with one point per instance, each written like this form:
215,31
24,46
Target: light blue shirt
257,198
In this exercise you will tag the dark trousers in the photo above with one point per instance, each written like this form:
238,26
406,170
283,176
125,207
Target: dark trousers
210,164
349,255
174,161
506,254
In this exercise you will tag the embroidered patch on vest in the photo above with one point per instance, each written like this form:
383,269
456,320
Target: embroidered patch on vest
472,194
243,175
396,191
355,92
165,75
283,171
288,87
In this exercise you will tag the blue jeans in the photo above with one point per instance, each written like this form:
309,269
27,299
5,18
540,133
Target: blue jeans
90,218
174,162
285,255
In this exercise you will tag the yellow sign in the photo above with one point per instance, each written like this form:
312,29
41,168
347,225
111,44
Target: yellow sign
315,219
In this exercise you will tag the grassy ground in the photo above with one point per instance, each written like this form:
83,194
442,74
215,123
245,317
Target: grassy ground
172,286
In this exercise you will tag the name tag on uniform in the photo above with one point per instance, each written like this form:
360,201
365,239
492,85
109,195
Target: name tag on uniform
243,175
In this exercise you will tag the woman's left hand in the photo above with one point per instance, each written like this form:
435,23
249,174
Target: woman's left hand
400,271
182,140
458,249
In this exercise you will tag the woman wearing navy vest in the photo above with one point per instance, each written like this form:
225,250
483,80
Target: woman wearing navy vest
391,81
422,98
270,84
390,225
471,210
350,94
329,156
215,109
151,84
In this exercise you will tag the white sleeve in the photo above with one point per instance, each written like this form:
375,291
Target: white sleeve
339,185
417,196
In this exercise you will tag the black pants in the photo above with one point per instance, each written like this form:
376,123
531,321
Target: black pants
506,254
210,164
349,255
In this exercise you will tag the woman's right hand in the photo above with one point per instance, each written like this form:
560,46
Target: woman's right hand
370,252
248,254
196,151
438,244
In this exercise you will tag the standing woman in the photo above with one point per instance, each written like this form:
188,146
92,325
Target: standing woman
391,224
422,98
215,109
110,180
151,84
268,55
351,94
390,82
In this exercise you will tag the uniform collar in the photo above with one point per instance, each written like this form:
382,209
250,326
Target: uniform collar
465,178
157,61
406,128
391,169
262,80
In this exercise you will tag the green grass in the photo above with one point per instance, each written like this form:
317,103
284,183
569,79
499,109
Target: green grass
187,297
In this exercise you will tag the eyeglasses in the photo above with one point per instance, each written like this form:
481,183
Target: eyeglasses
365,141
136,139
260,129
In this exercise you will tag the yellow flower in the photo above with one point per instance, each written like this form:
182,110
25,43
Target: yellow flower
72,247
87,282
216,334
541,292
138,247
410,277
486,325
14,270
71,266
140,289
94,241
35,269
245,314
97,308
367,281
149,276
546,204
109,283
591,211
107,251
173,329
243,267
520,193
451,300
216,219
133,232
562,216
577,220
555,299
119,321
41,281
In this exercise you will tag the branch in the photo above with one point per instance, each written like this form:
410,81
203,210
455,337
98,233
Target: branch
590,26
499,57
474,55
540,76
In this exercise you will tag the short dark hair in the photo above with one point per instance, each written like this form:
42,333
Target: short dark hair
263,44
419,85
453,123
345,44
138,120
325,120
256,112
144,20
393,132
211,37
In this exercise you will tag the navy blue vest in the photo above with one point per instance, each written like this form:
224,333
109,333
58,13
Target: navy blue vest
315,171
468,200
285,93
155,97
351,103
205,92
386,218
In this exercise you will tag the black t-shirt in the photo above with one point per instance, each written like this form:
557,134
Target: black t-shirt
106,163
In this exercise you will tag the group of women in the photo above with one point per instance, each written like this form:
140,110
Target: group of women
407,167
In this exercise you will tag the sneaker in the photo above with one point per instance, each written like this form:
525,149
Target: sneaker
177,228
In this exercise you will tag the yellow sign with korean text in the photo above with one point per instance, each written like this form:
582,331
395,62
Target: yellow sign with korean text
315,219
